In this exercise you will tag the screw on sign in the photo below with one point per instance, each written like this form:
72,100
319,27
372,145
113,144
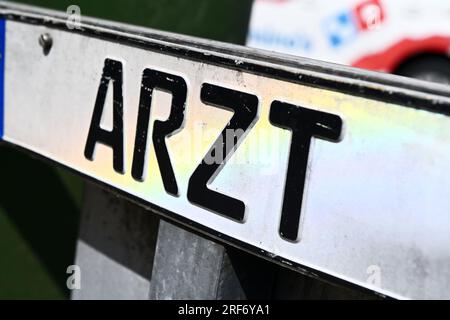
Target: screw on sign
46,42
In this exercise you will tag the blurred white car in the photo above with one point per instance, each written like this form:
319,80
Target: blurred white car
407,37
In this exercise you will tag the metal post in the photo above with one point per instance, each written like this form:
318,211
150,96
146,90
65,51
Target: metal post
115,247
188,266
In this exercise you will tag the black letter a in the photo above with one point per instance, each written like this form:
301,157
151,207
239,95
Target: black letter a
112,70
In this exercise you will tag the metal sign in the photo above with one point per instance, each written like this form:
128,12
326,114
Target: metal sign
329,170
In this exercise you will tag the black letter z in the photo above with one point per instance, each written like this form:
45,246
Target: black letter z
245,108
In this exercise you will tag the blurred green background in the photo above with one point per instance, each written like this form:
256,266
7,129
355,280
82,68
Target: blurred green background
40,204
